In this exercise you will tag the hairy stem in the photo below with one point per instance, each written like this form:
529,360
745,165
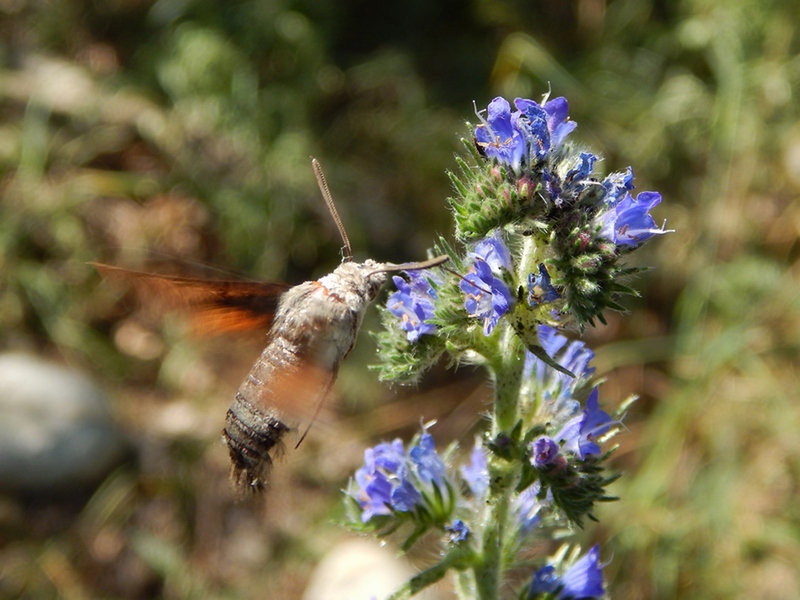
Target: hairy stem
506,369
489,569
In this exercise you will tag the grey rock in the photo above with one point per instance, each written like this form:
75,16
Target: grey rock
56,432
361,569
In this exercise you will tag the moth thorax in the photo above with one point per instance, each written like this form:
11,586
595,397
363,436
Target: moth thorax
354,281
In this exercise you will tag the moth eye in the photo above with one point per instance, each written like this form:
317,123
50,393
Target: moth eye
374,288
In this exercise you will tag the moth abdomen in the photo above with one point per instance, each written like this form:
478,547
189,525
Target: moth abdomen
253,438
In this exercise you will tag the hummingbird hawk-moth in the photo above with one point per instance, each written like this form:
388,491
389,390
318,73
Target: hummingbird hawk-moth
312,328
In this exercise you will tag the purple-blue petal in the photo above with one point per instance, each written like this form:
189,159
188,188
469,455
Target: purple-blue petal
494,252
581,173
487,297
624,220
388,456
633,224
476,474
540,290
550,339
527,507
499,117
413,305
578,435
598,421
405,496
617,185
374,497
479,296
545,581
458,531
430,467
584,579
544,451
498,135
537,129
558,121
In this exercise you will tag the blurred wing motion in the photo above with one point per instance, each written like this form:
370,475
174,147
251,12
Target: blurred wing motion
212,306
313,326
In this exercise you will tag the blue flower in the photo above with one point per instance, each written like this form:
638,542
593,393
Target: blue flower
551,340
458,531
534,120
413,304
388,456
374,494
548,123
616,185
499,135
583,580
557,388
544,451
527,506
572,355
494,252
392,480
476,474
382,482
628,221
558,122
529,133
373,479
578,435
579,175
545,581
540,290
405,497
487,296
429,466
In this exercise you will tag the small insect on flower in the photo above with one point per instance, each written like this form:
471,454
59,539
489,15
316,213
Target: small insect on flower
313,327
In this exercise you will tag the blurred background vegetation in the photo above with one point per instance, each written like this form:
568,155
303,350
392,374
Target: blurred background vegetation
184,128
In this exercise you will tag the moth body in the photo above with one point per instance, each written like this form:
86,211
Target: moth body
315,327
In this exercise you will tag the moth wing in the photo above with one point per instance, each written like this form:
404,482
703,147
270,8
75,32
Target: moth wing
211,306
294,394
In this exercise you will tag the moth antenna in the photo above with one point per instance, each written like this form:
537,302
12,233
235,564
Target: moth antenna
326,194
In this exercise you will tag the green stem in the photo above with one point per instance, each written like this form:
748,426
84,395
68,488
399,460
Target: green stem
488,571
507,373
464,583
529,258
458,558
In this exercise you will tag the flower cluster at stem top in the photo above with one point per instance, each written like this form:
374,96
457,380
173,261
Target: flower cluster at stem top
541,240
544,241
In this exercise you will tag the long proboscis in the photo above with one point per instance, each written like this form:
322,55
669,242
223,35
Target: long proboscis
414,266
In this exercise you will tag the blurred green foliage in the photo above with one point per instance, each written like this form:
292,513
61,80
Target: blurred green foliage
184,128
